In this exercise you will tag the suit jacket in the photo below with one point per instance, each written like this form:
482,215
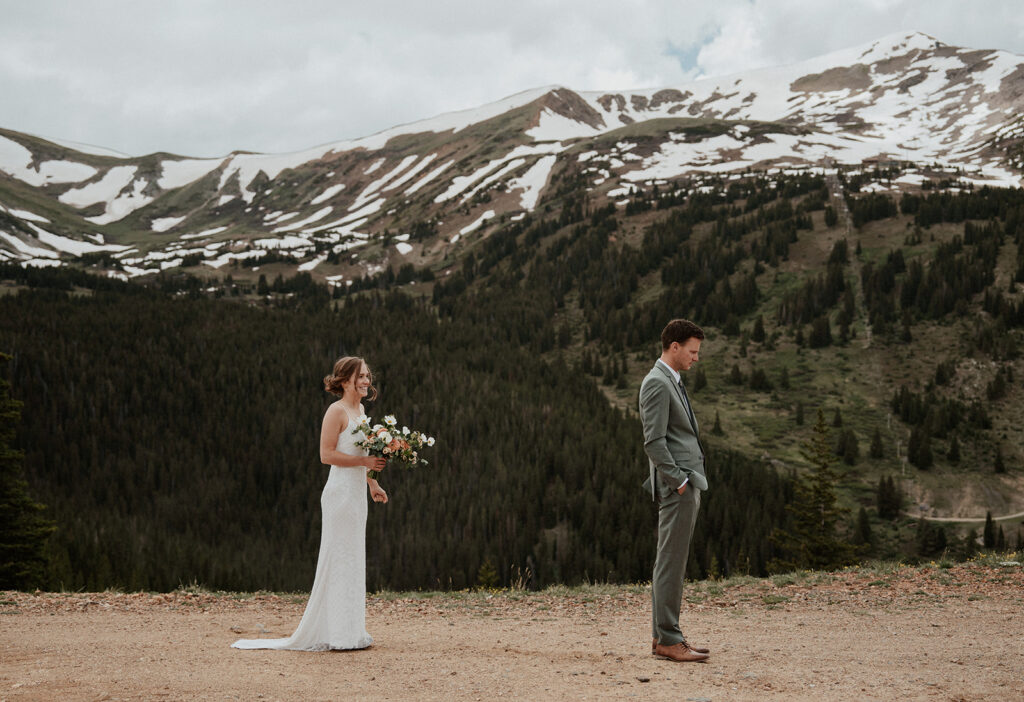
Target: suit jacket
671,440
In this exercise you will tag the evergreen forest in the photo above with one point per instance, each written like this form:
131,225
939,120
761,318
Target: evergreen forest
170,425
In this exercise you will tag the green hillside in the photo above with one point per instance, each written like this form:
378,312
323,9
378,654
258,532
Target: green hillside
171,424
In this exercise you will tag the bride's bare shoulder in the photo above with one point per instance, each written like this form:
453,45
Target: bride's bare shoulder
335,412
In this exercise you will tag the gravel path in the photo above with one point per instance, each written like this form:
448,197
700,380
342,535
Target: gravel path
909,634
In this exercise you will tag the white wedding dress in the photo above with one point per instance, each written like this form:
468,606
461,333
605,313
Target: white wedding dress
335,616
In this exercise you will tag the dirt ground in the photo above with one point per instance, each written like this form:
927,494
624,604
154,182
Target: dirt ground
928,633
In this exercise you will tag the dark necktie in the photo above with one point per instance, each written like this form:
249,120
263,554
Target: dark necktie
689,410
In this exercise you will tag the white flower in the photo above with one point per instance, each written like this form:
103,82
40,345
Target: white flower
390,420
430,441
386,437
405,431
378,427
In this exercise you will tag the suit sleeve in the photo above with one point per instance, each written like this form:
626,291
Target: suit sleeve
654,407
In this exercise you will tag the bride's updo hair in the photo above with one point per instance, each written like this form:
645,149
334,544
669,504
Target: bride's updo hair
344,369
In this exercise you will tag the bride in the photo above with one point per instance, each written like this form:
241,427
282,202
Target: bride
335,616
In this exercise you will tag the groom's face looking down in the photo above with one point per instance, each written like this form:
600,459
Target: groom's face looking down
681,356
680,344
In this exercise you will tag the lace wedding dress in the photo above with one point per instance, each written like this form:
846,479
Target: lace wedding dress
335,616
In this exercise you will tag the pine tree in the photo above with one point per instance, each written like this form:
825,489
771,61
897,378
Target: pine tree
717,429
988,536
970,544
700,380
905,336
877,450
24,529
953,456
587,364
810,539
759,380
758,333
998,464
487,576
888,498
799,414
931,539
847,447
837,419
821,333
862,531
919,449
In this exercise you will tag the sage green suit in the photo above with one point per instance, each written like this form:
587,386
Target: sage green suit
675,454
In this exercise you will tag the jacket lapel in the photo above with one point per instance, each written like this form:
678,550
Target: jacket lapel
672,381
683,400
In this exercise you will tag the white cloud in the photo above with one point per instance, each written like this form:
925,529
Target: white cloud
764,33
204,77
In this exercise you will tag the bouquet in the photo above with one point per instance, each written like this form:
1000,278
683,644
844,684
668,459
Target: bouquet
388,441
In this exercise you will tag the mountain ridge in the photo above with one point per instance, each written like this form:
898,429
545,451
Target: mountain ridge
906,97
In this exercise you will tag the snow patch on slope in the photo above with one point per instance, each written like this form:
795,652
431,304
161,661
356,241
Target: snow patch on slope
327,194
16,161
162,224
555,127
533,181
103,190
429,177
175,174
489,214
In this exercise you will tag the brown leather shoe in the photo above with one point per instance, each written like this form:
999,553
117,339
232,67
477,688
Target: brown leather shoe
680,652
654,645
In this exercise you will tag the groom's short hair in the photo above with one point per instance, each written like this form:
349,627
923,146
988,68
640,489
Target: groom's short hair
678,331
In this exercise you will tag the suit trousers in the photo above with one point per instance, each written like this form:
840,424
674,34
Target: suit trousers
677,516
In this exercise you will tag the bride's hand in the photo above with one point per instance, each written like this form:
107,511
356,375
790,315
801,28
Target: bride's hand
377,493
375,463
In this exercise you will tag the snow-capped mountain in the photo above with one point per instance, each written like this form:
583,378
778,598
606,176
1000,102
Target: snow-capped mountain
417,189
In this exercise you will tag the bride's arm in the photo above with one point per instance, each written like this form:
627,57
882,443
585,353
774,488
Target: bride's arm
377,493
335,421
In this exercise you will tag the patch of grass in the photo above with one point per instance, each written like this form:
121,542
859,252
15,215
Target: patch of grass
883,567
787,578
997,559
775,599
738,581
595,589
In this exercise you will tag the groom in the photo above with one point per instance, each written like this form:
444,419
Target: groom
672,444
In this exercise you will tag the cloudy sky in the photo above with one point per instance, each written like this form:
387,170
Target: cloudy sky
205,77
